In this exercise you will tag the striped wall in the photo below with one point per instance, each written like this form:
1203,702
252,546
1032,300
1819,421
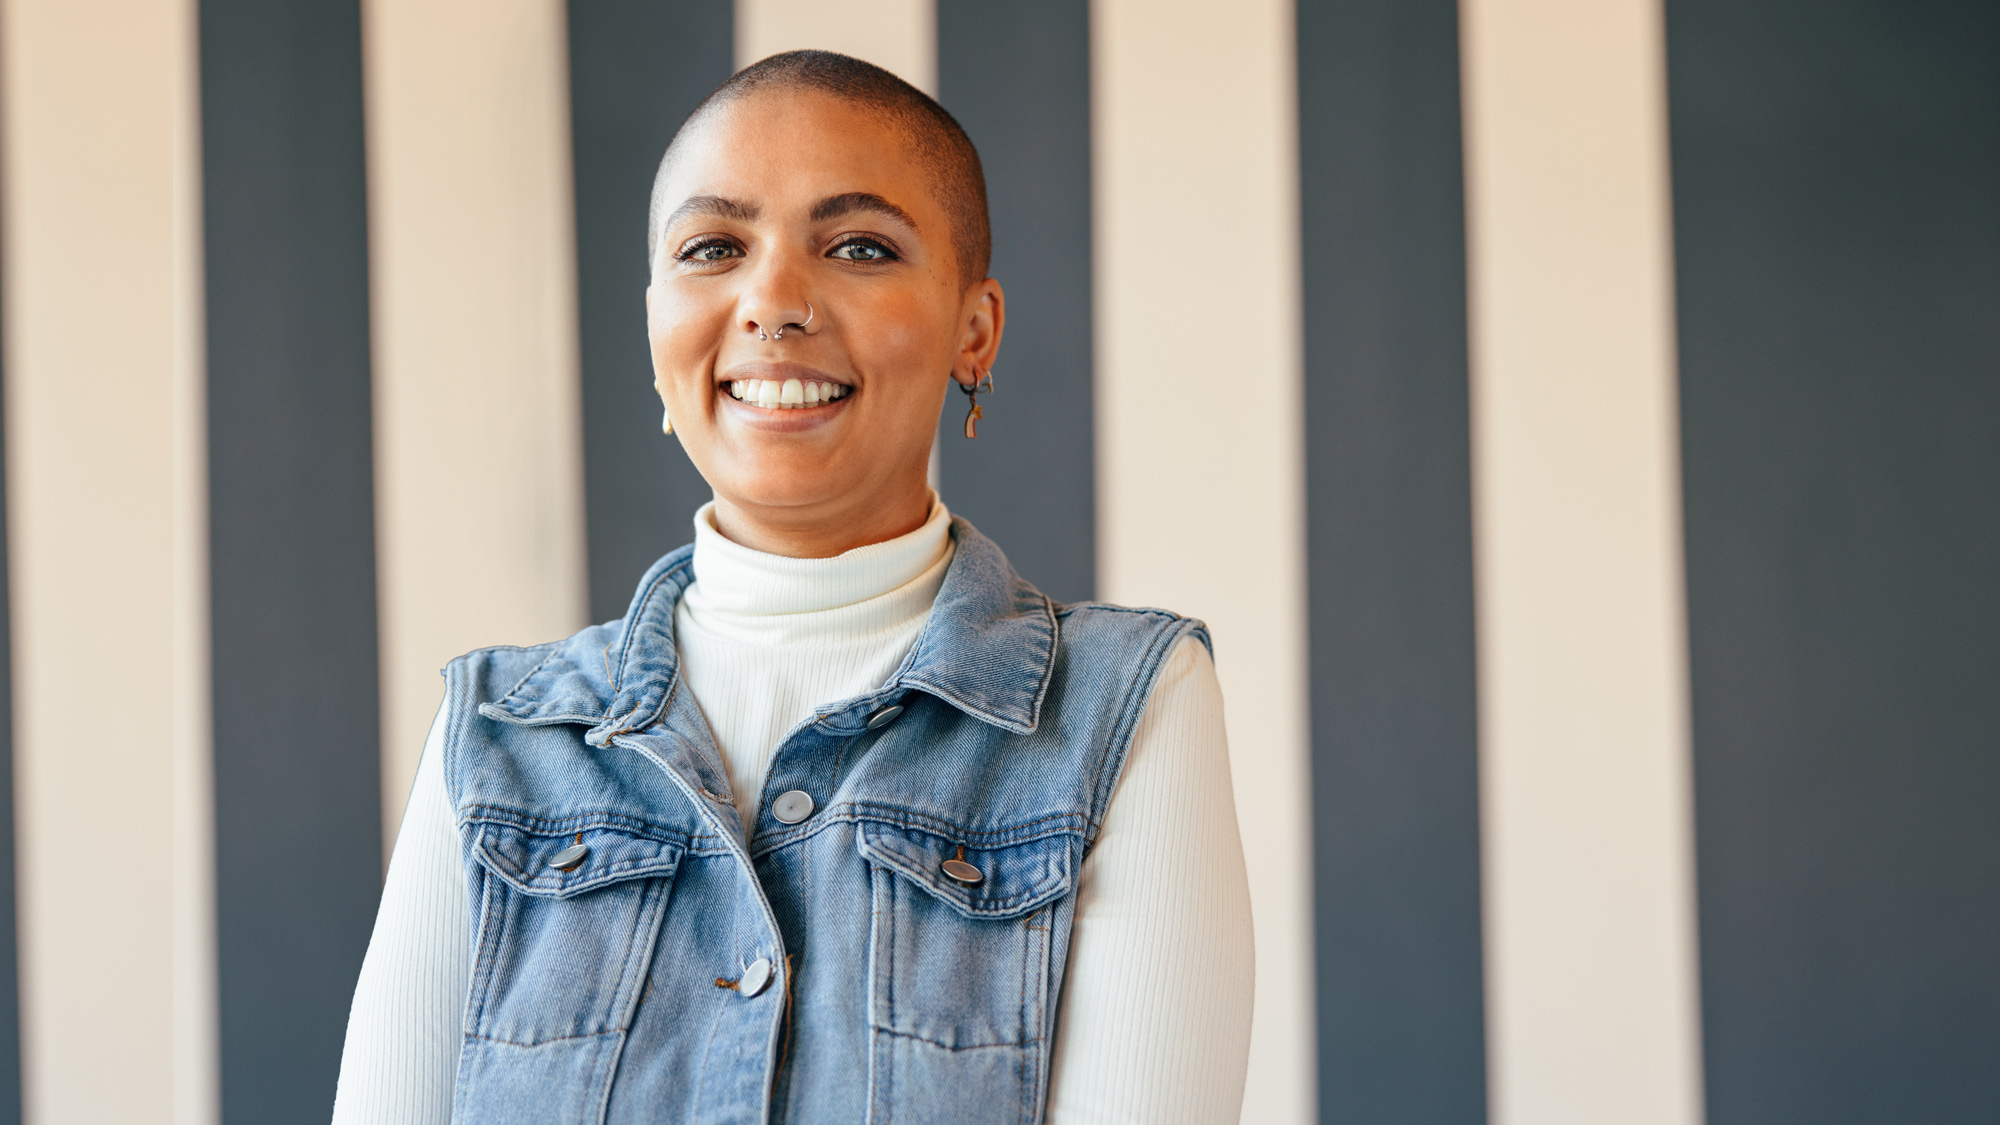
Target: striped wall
1573,419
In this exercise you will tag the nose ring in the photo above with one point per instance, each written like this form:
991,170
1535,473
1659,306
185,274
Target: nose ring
800,325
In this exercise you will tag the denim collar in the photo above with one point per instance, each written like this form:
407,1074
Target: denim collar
988,649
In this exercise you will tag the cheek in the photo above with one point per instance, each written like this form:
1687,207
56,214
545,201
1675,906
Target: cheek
684,331
907,334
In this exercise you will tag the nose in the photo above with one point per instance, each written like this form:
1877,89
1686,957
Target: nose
805,323
777,303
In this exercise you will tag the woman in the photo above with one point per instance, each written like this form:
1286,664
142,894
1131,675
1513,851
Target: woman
843,821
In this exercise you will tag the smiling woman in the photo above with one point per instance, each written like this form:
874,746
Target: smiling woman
809,192
843,820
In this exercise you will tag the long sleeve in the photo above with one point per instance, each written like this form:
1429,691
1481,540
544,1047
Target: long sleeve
1155,1023
401,1056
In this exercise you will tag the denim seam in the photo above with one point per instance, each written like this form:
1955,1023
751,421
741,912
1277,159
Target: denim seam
555,650
587,819
968,1047
1111,761
851,812
638,615
539,1042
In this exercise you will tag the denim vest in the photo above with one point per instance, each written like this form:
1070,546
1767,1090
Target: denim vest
892,952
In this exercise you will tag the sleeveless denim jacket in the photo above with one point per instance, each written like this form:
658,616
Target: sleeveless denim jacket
624,986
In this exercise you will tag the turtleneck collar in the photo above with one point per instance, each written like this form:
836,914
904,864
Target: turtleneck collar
733,581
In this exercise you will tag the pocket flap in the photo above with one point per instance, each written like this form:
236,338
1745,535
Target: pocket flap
1015,878
524,860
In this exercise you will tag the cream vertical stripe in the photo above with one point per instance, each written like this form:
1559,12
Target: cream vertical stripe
899,36
1199,456
95,99
196,1044
478,454
1589,905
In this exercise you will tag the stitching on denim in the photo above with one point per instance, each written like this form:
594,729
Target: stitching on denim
538,1042
632,620
875,989
853,812
1021,1064
968,1047
1107,607
532,673
493,923
602,819
1112,761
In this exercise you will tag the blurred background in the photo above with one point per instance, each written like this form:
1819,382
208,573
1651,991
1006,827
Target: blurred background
1576,420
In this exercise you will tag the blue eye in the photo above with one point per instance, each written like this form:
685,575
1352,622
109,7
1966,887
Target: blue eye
863,250
709,250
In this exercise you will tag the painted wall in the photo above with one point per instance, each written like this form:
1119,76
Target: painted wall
1398,340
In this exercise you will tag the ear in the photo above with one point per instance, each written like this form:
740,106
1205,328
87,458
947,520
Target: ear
984,317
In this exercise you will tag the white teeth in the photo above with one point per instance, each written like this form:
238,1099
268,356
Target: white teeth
790,394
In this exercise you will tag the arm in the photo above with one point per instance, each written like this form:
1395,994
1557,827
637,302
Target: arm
1155,1022
401,1057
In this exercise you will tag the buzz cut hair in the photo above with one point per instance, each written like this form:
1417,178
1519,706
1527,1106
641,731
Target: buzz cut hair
934,136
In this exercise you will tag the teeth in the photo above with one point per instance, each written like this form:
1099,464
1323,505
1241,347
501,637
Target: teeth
791,394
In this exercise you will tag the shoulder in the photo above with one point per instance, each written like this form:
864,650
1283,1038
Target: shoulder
1094,625
584,664
485,675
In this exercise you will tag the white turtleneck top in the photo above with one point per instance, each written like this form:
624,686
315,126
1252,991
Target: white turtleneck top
1155,1011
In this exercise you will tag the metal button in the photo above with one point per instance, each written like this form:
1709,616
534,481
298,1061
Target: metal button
885,716
755,976
792,806
959,871
570,858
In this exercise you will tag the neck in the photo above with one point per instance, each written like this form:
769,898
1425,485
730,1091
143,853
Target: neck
821,531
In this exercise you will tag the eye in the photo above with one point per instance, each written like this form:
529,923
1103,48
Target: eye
863,250
708,250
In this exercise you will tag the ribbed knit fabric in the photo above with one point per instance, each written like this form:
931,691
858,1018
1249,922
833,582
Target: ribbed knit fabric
1155,1018
766,639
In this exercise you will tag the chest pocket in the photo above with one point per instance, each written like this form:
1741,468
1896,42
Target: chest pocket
961,962
559,963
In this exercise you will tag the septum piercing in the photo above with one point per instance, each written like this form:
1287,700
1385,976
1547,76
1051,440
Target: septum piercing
780,333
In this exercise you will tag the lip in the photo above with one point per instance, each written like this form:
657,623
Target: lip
795,420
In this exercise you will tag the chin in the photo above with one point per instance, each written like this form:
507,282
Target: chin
788,484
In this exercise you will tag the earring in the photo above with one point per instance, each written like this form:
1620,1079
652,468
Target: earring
666,422
983,383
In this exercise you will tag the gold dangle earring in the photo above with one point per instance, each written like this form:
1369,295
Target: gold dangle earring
972,417
666,422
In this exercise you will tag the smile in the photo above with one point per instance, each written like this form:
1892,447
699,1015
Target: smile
788,394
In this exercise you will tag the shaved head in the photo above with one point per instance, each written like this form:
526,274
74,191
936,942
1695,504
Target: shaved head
936,140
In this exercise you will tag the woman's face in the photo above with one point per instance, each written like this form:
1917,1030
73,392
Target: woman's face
779,199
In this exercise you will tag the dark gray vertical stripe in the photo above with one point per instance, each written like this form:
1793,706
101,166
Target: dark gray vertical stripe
1837,222
292,541
637,68
1389,555
1017,76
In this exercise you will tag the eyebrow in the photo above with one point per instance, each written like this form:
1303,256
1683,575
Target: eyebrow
834,206
712,205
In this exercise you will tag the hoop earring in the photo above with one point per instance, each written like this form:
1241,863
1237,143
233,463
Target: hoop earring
972,416
666,422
